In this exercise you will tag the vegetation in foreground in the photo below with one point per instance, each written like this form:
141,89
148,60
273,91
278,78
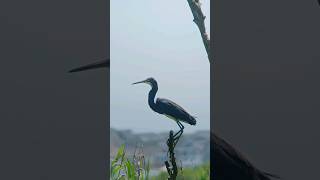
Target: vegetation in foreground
122,168
136,168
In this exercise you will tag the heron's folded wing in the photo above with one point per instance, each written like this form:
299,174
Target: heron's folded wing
171,108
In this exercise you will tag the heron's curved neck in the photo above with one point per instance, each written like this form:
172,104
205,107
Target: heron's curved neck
152,95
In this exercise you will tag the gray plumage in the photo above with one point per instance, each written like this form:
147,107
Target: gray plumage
172,109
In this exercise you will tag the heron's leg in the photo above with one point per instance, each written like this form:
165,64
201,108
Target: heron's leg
181,129
182,126
179,133
176,140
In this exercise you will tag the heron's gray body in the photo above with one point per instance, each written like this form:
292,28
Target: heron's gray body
174,111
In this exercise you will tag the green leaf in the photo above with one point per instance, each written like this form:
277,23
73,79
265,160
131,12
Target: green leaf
130,169
147,170
115,173
120,154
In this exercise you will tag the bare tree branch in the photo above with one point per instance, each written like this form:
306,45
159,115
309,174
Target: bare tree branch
171,142
199,18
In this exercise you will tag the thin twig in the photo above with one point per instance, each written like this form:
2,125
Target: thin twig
198,19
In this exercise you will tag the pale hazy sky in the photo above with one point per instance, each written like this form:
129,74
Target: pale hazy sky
152,38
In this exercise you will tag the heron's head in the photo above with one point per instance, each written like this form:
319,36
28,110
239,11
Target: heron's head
151,81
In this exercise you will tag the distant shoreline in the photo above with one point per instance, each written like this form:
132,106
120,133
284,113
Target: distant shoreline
158,132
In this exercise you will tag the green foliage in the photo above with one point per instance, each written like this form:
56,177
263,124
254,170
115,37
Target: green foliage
197,173
122,168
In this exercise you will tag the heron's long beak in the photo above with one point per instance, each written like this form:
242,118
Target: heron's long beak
144,81
99,64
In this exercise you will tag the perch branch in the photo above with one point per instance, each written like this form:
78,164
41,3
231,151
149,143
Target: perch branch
198,19
172,171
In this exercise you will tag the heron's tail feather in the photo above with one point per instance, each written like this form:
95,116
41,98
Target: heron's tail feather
192,120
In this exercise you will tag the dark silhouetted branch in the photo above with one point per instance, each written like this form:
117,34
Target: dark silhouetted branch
198,19
172,170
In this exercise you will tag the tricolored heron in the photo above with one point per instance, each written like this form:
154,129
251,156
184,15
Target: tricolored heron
168,108
100,64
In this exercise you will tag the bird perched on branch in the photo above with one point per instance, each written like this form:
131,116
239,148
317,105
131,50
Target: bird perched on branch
168,108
